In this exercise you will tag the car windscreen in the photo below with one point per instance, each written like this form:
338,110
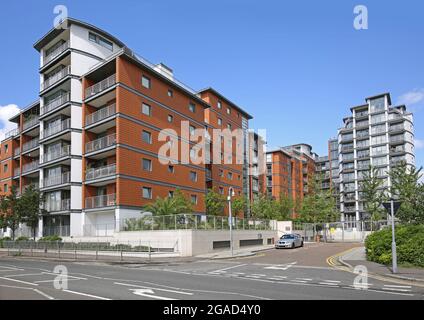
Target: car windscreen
287,236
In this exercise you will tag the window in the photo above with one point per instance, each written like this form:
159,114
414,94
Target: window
379,139
5,167
228,111
376,151
147,193
147,165
100,41
147,137
219,121
378,118
377,104
221,190
6,148
193,199
191,130
380,161
170,118
170,194
146,109
219,105
381,128
171,169
230,175
221,173
5,188
193,175
192,107
170,93
145,82
229,126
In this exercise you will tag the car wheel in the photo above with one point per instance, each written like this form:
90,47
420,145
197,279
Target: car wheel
301,244
293,245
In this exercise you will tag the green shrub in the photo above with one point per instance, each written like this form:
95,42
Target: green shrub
50,238
22,239
409,244
4,239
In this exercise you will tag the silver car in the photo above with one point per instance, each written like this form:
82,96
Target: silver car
289,241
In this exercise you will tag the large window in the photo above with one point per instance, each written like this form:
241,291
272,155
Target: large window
378,118
377,104
376,151
381,128
146,109
145,82
147,137
147,165
379,139
147,193
380,161
100,41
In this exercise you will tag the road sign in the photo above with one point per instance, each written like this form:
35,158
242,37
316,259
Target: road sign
388,206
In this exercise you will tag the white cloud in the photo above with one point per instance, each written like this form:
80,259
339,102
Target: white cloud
412,97
6,112
419,144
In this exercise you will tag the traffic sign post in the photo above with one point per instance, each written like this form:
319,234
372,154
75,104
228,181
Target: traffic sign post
392,207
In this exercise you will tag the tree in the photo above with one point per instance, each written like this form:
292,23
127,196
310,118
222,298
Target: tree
373,195
407,189
29,208
286,206
215,203
238,205
264,207
8,207
177,204
318,205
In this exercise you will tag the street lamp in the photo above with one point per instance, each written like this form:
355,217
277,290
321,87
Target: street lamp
393,206
230,194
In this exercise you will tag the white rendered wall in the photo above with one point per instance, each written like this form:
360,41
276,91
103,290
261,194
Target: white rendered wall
76,199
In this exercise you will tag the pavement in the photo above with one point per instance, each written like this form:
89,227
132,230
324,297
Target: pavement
357,257
301,274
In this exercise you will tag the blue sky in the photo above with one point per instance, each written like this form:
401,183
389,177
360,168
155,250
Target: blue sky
296,66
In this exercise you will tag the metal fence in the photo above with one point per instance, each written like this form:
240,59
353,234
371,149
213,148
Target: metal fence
196,222
346,231
105,250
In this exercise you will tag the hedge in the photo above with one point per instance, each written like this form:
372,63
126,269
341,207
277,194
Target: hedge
409,244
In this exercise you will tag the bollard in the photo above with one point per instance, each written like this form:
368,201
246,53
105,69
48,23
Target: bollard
58,248
121,255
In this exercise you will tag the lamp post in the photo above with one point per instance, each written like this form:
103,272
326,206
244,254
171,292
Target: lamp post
393,206
230,194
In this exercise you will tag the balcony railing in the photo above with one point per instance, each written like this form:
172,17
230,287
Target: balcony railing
65,124
100,201
30,166
56,52
56,77
17,151
101,114
30,145
101,143
397,127
100,86
100,172
398,149
62,205
361,114
12,133
397,139
16,172
56,103
62,152
30,123
57,180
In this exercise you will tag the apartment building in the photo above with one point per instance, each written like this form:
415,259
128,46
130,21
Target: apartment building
288,171
256,164
92,142
377,134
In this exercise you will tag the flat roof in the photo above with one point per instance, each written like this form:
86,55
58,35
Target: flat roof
54,32
379,96
210,89
28,107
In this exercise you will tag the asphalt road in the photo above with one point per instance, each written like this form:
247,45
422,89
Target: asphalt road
275,274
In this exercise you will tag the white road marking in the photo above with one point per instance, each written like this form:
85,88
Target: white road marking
281,266
159,289
277,279
232,267
258,274
306,279
335,281
68,276
240,273
12,268
24,275
42,281
394,286
86,295
15,280
301,281
328,283
250,276
43,294
149,294
395,289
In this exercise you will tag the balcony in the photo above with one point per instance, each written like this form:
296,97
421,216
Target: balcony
398,149
101,114
30,145
361,114
100,86
101,143
107,200
30,166
64,125
397,161
350,209
56,103
397,139
56,53
62,205
62,152
101,172
16,172
362,124
17,152
30,123
12,133
55,78
57,180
